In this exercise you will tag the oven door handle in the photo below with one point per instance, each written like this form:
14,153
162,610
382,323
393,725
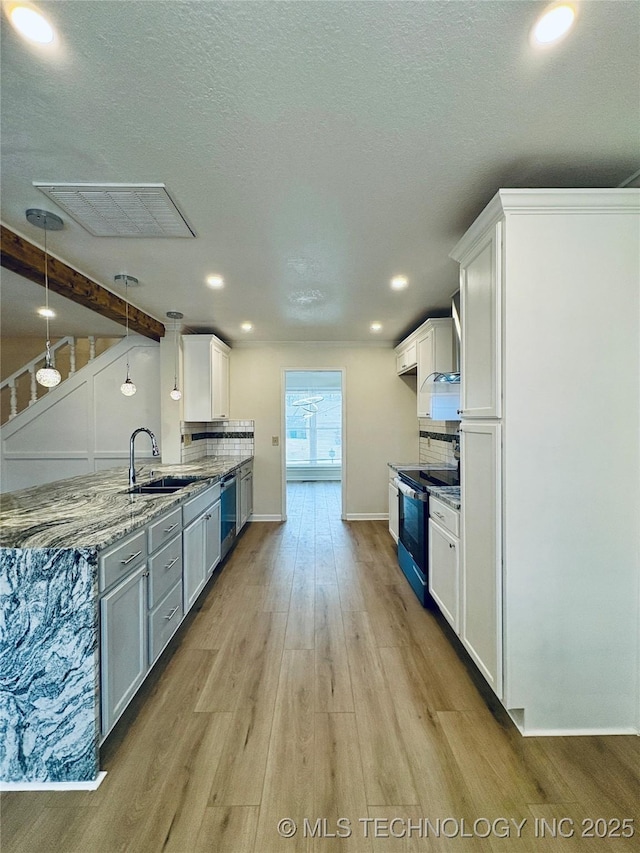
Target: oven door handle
408,491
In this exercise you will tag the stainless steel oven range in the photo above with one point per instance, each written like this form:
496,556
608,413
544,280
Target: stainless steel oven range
413,511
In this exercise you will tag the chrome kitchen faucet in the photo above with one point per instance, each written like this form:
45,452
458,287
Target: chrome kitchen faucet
154,450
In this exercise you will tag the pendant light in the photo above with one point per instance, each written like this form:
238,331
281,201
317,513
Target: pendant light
176,394
47,376
127,387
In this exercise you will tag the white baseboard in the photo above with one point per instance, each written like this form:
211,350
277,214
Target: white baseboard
91,785
605,732
266,518
367,516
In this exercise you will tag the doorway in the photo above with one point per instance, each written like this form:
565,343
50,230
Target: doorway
313,458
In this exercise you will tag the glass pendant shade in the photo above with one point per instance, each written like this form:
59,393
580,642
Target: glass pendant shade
128,388
176,394
48,376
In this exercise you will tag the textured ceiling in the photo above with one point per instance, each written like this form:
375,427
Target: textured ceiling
317,148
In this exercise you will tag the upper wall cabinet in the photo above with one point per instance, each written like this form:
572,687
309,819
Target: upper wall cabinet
206,378
480,289
435,355
407,357
427,350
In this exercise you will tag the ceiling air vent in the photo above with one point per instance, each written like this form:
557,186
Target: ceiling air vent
120,210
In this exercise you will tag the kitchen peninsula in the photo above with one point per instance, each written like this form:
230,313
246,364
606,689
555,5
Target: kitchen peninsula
59,553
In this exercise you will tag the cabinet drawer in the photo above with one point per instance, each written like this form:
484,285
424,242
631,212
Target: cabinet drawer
164,529
117,562
196,506
445,516
164,621
165,568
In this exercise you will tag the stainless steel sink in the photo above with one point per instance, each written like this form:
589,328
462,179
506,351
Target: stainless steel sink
162,486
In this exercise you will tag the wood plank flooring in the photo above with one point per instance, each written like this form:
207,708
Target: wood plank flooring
311,685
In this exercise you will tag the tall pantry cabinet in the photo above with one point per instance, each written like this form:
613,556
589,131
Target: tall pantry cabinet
550,286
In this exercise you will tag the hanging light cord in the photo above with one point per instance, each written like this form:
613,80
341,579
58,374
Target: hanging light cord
46,292
126,308
175,349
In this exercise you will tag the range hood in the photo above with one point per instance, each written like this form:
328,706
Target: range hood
456,313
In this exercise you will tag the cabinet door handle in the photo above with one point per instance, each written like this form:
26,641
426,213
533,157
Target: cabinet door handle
173,612
439,514
169,529
132,557
172,563
460,411
451,545
207,516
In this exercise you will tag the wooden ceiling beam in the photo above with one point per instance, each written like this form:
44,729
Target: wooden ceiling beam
26,259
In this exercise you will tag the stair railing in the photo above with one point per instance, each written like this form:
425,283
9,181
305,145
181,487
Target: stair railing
32,368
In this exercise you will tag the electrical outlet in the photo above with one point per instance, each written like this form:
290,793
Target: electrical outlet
275,441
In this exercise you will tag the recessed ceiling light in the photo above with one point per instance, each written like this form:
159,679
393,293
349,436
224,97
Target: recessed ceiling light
554,24
375,327
215,281
31,24
46,312
399,282
246,327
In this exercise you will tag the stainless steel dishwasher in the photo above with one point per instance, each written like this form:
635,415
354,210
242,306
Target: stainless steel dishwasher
228,512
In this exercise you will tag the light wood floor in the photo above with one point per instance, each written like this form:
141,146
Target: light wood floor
311,684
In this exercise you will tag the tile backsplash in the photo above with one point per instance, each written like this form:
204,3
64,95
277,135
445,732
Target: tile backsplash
437,441
216,438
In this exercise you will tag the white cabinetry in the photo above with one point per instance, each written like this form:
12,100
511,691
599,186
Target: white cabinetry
550,559
140,579
123,645
480,278
444,560
165,590
427,350
481,623
245,494
206,378
407,357
435,355
201,542
394,515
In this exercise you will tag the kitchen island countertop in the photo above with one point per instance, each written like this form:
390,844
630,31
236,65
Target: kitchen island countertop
95,510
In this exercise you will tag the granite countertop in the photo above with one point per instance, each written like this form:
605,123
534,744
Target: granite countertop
449,495
395,466
95,510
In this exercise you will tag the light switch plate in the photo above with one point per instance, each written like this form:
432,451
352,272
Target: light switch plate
275,441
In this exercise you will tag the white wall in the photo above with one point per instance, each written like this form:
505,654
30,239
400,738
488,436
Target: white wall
381,422
84,424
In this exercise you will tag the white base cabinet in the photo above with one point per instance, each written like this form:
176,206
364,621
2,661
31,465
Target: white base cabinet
200,543
444,566
394,513
147,583
244,492
481,582
123,645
